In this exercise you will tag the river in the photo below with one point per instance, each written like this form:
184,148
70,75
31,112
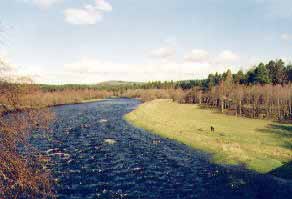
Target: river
97,154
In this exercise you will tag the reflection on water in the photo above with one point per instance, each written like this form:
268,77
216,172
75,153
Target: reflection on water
96,154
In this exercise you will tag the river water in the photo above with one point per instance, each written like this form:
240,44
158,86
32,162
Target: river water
97,154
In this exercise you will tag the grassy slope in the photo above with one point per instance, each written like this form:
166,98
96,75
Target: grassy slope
259,144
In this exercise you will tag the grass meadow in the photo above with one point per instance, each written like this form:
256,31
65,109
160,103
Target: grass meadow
260,145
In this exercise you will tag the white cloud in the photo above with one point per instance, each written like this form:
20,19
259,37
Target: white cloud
103,5
164,52
286,37
227,57
90,65
91,70
46,3
197,55
43,3
221,60
82,16
89,14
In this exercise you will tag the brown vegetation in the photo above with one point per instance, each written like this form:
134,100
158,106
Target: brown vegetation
22,169
151,94
254,101
67,96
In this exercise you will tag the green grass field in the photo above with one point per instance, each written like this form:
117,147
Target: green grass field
261,145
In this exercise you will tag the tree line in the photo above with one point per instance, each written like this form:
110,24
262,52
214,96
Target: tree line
274,72
265,91
123,86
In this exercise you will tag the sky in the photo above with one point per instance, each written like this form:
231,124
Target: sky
90,41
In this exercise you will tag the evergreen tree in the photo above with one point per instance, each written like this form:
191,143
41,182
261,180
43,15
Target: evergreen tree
239,77
289,73
250,76
261,74
211,81
277,71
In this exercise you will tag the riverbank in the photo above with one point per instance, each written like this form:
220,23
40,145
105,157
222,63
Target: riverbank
260,145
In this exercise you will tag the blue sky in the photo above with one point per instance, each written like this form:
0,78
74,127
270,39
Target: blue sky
88,41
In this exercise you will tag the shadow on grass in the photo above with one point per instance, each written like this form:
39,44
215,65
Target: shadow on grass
284,171
284,129
281,130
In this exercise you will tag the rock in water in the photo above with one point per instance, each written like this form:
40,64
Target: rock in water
156,142
110,141
102,121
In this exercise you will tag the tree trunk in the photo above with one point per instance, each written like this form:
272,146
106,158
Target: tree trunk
222,106
268,107
254,107
279,110
240,111
290,107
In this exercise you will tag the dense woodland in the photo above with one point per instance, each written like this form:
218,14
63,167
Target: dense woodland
265,91
274,72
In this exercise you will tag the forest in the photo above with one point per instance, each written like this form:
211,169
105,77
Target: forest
264,91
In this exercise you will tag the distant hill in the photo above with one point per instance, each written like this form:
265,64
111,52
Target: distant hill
117,83
101,85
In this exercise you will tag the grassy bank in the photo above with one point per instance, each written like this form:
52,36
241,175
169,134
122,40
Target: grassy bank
261,145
